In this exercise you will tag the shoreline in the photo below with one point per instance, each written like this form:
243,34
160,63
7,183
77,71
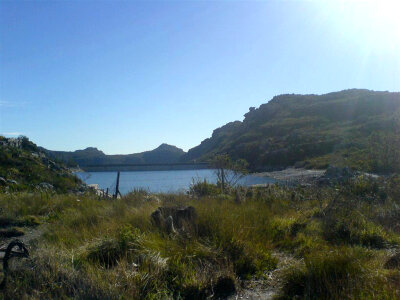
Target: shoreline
293,175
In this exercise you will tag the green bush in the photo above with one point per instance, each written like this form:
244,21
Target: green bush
341,274
203,188
108,252
355,230
247,261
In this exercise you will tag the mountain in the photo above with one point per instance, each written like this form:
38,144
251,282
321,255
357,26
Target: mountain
23,166
344,128
164,154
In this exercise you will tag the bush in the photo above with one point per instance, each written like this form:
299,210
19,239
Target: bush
108,252
355,230
248,262
343,274
203,188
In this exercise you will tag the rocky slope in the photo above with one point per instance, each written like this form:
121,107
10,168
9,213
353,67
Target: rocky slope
23,166
314,131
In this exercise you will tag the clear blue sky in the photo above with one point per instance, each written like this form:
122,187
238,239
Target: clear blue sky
128,76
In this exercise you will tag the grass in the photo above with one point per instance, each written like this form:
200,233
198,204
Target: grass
97,248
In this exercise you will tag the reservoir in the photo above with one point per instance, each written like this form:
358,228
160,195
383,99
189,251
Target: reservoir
172,181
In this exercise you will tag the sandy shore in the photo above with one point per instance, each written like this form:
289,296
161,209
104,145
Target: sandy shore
293,175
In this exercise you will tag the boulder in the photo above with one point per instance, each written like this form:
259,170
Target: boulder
393,262
175,219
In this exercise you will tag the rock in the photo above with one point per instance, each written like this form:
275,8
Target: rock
10,181
393,262
175,219
53,166
46,186
240,195
169,225
157,219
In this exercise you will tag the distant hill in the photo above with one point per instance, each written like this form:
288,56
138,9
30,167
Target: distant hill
164,154
344,128
23,166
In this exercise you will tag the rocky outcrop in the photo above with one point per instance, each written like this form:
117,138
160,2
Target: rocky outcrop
175,219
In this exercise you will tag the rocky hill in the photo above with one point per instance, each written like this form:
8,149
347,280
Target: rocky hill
358,128
23,166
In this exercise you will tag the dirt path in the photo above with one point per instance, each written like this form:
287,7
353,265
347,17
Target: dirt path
269,288
255,294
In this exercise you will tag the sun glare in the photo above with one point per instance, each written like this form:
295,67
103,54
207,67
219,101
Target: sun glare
374,23
387,13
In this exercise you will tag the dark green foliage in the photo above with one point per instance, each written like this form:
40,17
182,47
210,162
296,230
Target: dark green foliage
313,131
228,171
203,188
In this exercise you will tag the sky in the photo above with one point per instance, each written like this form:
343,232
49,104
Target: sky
126,76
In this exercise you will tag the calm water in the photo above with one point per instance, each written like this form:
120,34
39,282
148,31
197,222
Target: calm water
159,181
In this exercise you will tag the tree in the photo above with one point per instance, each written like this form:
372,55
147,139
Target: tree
228,172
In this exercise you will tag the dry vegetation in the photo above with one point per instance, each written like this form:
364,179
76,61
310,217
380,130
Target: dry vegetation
339,237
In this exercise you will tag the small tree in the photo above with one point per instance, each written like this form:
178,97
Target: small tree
228,172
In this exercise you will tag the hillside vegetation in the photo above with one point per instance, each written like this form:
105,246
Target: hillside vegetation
23,166
297,243
356,128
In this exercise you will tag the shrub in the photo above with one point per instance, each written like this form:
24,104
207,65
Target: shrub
203,188
248,262
342,274
355,230
108,252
